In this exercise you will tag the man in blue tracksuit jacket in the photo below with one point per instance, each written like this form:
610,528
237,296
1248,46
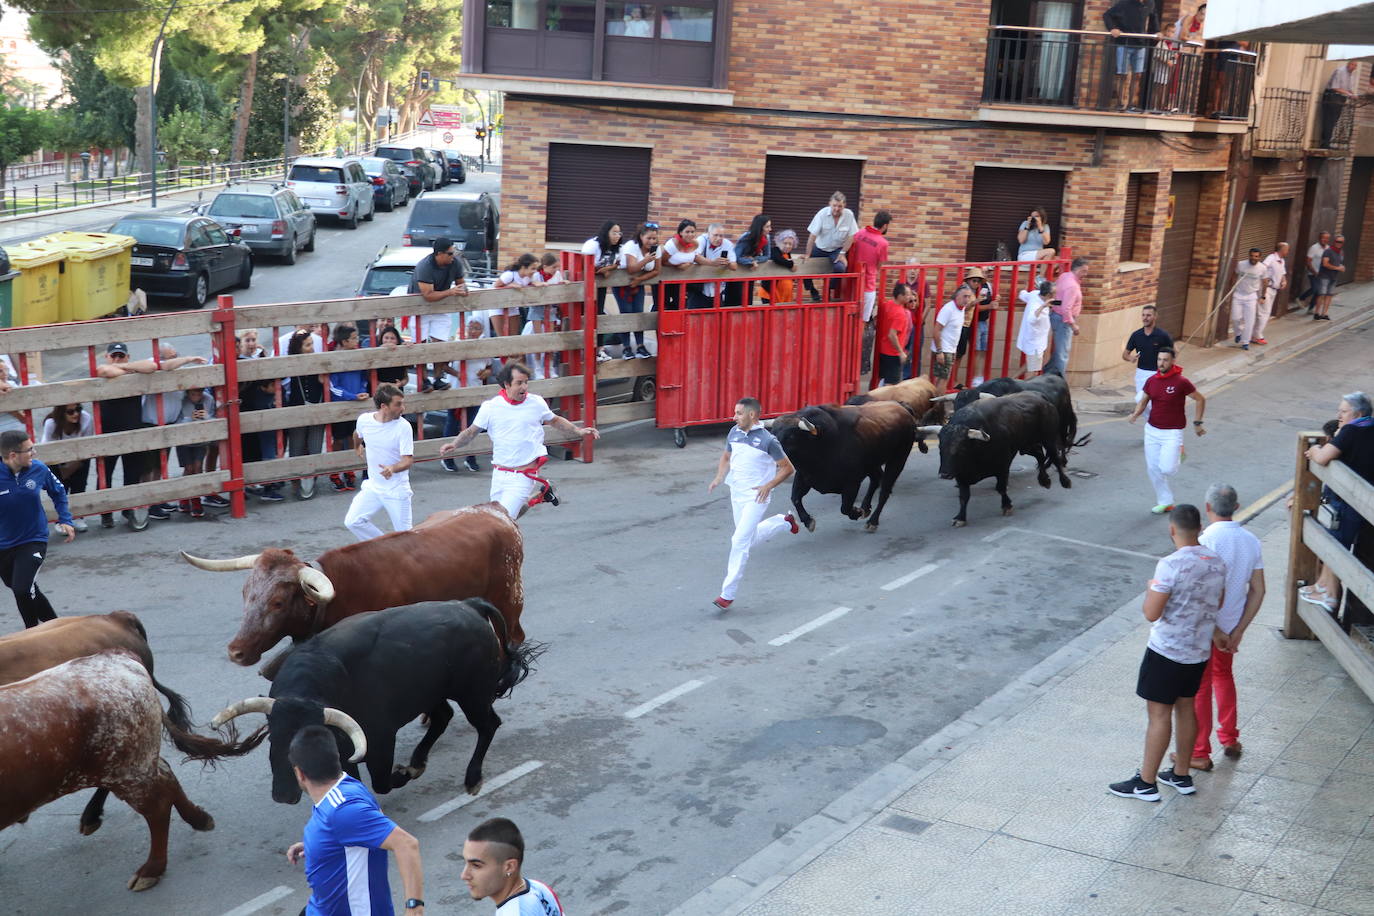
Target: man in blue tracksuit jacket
24,524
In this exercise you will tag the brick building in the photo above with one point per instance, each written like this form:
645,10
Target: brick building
956,117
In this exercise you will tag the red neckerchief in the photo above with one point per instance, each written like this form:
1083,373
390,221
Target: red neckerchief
682,245
544,275
761,243
1175,369
509,401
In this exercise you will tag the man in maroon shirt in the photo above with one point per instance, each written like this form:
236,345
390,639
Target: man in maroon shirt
1165,394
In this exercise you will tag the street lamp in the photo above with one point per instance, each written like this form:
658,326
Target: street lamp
152,103
214,154
85,166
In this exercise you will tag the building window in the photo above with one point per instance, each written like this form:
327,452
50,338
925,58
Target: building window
631,20
1002,199
1131,218
1137,219
796,187
588,184
686,23
570,16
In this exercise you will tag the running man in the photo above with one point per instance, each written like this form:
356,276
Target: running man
753,464
492,856
515,420
24,524
1163,396
384,440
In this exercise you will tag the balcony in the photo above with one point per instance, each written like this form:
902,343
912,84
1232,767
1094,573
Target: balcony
1283,116
1180,84
674,52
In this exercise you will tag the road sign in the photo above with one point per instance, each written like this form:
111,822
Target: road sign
448,137
447,117
426,119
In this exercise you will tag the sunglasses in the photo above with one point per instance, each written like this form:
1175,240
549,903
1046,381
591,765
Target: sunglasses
651,225
72,410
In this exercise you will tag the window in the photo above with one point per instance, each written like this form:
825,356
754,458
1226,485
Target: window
513,14
317,173
215,233
796,187
243,205
686,23
570,16
1137,226
199,238
1002,198
589,184
632,20
1131,217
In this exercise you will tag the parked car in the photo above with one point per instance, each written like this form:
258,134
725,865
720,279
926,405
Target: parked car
439,158
184,255
391,269
470,219
457,168
333,187
412,161
271,219
390,186
435,168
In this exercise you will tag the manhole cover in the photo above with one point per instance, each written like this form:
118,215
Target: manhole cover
1082,475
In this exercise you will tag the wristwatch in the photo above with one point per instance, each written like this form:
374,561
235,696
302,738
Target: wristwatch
1197,422
414,903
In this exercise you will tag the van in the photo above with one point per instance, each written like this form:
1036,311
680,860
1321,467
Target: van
333,187
469,218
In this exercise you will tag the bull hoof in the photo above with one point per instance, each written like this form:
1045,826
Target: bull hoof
402,775
1008,511
924,449
201,820
870,527
89,827
865,512
958,523
474,788
143,882
1044,481
811,524
1066,483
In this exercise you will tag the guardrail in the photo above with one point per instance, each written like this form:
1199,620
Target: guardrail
1283,116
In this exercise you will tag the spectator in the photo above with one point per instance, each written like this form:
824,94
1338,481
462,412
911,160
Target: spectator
440,275
477,372
753,248
781,289
1163,398
70,421
1340,91
949,328
1033,237
639,258
1332,267
983,297
713,250
1353,444
549,271
1314,266
894,333
1252,279
318,334
867,256
681,252
9,380
390,338
636,26
1034,336
1064,316
260,394
301,390
1135,17
349,385
193,405
830,235
522,272
1143,346
1276,263
492,858
541,319
604,247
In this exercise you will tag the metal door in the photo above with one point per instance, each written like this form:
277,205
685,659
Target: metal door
1176,261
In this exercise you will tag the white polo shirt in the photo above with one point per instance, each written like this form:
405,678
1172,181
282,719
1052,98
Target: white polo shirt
833,234
950,323
386,443
1248,277
1277,267
1240,551
516,430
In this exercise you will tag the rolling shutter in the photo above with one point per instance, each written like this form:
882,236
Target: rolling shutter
1002,198
1260,229
588,184
1130,218
1176,261
795,187
1361,177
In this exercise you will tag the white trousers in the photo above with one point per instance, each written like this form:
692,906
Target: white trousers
870,300
1141,377
1243,310
1266,309
1163,447
511,490
750,528
369,502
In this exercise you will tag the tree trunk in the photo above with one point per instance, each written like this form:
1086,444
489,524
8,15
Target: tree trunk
143,110
245,110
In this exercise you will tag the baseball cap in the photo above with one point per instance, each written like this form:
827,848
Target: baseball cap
117,347
442,245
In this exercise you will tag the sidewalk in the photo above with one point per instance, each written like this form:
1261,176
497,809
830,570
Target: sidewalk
1006,811
1210,367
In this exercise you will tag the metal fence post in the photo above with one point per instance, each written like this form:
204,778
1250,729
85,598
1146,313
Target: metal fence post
1302,562
233,444
589,363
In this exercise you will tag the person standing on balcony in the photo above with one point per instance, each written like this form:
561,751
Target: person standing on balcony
1340,90
1136,17
1332,266
1064,316
1276,262
1314,266
830,235
1252,282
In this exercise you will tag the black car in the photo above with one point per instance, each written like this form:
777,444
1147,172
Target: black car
470,219
457,170
186,256
412,161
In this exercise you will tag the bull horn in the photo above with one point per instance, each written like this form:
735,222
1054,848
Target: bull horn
243,707
943,397
927,430
317,586
979,435
984,394
767,424
806,426
344,723
221,565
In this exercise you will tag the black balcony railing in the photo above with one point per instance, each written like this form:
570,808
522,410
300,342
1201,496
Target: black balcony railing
1336,123
1061,68
1283,119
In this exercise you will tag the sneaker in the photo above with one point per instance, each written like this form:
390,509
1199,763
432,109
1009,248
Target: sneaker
271,496
197,510
1237,338
1161,508
107,520
449,464
1135,787
184,506
80,524
723,603
815,297
471,463
601,355
254,488
337,483
439,385
1245,346
547,495
215,501
350,481
1184,784
643,353
1259,340
791,520
159,512
1326,318
627,353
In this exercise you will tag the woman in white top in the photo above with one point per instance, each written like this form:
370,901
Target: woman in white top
523,272
70,421
1034,336
639,257
604,247
679,252
1033,237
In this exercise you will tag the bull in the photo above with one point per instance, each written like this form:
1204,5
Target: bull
1050,385
96,722
981,440
835,449
475,552
369,675
915,394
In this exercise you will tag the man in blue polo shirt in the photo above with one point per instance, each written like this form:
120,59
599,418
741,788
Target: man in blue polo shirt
347,838
24,524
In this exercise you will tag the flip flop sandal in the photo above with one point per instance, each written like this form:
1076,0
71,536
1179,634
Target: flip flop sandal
1195,765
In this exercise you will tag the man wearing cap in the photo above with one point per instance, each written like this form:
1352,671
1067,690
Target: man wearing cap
1252,282
24,523
1064,316
437,277
983,295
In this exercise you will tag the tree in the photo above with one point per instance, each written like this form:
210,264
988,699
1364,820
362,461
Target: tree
22,131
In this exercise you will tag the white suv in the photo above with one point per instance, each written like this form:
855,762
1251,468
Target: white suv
333,187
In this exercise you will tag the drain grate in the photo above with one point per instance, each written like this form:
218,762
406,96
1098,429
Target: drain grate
1083,475
905,824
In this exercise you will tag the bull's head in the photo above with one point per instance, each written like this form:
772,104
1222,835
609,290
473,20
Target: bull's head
954,439
285,717
281,598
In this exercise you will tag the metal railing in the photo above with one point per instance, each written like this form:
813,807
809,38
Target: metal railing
1282,119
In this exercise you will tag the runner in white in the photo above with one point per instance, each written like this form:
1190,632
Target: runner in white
515,420
492,858
756,464
384,440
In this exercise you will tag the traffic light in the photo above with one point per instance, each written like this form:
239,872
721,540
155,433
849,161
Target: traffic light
481,132
424,81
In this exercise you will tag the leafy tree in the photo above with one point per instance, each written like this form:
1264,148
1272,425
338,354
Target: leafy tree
22,131
312,113
190,135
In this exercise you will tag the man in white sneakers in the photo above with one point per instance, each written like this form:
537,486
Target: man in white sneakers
492,859
753,464
1276,262
384,440
1164,395
515,420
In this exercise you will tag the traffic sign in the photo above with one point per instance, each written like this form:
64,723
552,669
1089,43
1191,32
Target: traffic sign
426,119
447,117
448,137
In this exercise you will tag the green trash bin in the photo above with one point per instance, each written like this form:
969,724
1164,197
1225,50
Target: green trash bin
7,299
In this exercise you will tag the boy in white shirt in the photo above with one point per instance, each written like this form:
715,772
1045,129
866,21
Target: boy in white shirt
1034,336
384,440
949,324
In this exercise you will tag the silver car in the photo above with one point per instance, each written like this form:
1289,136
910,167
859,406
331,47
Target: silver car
333,187
271,219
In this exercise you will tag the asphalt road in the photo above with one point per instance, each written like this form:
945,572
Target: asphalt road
661,741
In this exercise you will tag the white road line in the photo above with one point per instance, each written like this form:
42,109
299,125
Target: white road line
663,698
260,901
1058,537
488,787
910,577
997,534
805,628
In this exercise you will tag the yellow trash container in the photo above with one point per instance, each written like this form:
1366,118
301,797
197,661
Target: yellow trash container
35,291
95,276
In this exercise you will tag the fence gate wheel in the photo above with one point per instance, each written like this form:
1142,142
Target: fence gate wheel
680,437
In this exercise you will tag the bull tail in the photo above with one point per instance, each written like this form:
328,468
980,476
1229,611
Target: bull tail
519,660
210,750
178,710
1079,443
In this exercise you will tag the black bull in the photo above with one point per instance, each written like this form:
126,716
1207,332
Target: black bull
1051,385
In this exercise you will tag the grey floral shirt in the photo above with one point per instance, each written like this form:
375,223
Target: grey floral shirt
1194,578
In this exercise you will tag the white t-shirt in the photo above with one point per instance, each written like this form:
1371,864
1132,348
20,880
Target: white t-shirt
1035,330
632,247
538,899
678,255
1248,277
1194,579
1240,551
593,247
386,443
951,324
513,278
85,427
1314,256
284,341
516,430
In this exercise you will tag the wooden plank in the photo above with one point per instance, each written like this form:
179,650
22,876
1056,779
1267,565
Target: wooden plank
452,351
1348,485
626,368
102,331
1302,563
297,313
1357,664
35,397
116,499
615,324
134,440
624,413
1352,573
805,266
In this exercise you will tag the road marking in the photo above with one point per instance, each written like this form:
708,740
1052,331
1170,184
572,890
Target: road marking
996,535
1264,502
260,901
805,628
910,577
1060,537
491,785
668,697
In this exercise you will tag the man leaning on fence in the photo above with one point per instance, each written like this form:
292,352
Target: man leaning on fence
830,235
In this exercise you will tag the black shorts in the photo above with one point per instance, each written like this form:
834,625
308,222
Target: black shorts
1163,680
963,342
889,368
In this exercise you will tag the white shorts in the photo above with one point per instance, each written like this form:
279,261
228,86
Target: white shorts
512,490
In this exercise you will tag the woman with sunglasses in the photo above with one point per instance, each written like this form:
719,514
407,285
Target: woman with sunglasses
639,258
70,421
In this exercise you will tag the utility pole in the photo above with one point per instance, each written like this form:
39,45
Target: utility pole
152,105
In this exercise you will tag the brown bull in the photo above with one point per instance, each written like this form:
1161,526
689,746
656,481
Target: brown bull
917,395
454,554
95,722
